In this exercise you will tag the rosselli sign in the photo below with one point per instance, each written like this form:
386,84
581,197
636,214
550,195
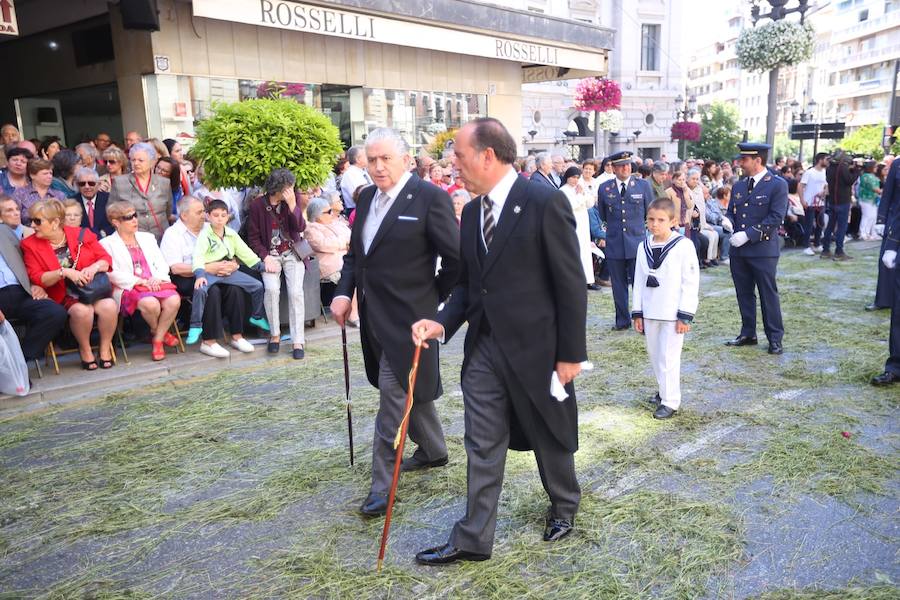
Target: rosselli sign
8,24
284,14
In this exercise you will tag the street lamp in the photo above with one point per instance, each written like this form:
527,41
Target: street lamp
684,112
803,117
777,13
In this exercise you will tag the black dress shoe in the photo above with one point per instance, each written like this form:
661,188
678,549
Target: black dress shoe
873,307
742,340
621,327
557,529
273,347
298,353
375,505
663,412
775,348
886,378
446,554
593,287
414,463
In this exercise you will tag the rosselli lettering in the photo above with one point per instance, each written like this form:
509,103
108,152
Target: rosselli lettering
525,52
322,20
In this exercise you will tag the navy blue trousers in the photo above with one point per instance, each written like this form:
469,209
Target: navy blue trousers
884,289
752,274
838,216
621,275
893,362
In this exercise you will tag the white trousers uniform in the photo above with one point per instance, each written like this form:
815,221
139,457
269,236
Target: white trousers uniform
664,347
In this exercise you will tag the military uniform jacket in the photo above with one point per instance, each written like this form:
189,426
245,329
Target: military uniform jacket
759,214
625,216
890,197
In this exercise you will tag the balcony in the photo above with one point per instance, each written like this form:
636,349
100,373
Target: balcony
841,61
885,21
855,89
871,116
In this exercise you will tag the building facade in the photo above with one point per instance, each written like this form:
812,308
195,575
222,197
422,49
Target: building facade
419,67
645,61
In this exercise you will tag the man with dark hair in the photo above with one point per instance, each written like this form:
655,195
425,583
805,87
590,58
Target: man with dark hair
756,209
522,292
840,177
812,183
354,177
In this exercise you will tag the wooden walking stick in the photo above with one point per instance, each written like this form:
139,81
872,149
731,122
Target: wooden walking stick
347,391
399,441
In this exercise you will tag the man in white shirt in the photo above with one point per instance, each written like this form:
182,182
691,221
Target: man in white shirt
354,177
811,185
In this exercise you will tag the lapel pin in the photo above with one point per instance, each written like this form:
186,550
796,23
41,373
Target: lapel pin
409,196
517,209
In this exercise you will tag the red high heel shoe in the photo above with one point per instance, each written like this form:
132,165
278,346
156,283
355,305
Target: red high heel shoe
158,352
170,340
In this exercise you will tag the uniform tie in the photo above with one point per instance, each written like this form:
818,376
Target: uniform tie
750,184
488,216
623,189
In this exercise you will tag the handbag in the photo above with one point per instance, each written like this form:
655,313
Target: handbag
96,289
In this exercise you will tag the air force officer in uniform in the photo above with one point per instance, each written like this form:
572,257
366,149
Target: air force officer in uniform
757,207
623,203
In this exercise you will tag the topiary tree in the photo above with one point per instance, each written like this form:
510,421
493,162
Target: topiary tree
242,142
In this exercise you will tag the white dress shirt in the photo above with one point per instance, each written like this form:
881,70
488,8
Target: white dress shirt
352,178
376,213
498,196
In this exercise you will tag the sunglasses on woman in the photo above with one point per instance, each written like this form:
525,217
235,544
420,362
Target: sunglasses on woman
127,217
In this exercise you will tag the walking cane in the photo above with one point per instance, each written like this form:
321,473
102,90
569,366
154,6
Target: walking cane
347,391
398,445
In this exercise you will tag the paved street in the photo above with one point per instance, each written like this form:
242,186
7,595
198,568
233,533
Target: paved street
778,479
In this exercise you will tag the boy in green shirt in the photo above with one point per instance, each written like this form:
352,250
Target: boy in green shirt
215,243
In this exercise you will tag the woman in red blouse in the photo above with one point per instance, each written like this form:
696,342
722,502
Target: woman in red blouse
50,260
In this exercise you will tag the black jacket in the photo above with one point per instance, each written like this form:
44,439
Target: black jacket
530,287
396,281
840,178
102,227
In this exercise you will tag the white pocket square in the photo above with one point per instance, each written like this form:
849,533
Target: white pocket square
405,218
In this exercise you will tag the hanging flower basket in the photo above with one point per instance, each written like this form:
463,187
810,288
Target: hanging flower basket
280,89
686,130
597,93
611,120
775,44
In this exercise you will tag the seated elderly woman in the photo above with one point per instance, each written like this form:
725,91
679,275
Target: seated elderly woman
151,194
140,276
59,262
329,236
11,216
74,212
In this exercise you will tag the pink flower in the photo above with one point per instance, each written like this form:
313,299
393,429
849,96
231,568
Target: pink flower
686,130
846,434
597,93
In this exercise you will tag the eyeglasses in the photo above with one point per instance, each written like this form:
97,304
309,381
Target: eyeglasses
111,161
128,217
37,221
88,183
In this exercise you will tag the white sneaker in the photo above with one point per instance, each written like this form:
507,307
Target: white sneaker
214,350
818,249
242,345
809,252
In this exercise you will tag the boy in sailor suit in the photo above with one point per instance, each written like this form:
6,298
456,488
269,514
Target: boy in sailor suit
666,294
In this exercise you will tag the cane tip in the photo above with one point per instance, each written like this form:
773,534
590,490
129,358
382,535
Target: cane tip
378,568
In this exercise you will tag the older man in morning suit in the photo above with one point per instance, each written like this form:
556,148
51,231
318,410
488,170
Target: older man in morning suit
402,225
522,291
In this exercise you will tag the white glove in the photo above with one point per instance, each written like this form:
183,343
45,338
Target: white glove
739,239
727,225
879,229
889,258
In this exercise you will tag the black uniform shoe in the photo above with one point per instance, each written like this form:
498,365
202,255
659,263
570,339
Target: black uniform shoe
621,327
742,340
654,401
446,554
886,378
775,348
414,463
557,529
593,287
663,412
873,306
375,505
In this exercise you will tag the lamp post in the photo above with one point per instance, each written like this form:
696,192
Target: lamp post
777,13
803,117
685,112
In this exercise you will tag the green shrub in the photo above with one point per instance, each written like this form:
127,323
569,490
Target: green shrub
242,142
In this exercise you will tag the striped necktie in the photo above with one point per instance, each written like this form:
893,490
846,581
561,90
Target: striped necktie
487,206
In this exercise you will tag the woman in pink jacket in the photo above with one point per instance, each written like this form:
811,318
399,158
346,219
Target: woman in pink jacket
329,237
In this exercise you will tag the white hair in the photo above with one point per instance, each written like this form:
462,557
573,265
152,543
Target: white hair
82,171
382,134
542,158
89,148
143,147
693,171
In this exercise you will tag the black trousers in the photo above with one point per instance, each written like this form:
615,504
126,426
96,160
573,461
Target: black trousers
223,303
43,319
621,275
884,288
750,274
893,362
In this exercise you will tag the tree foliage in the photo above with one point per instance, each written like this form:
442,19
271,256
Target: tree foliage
242,142
720,132
867,140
